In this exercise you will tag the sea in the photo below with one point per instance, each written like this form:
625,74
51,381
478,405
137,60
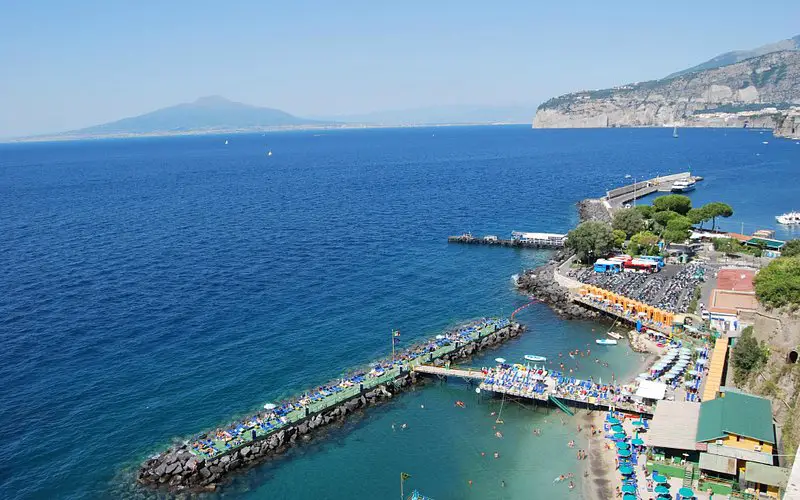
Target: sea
153,288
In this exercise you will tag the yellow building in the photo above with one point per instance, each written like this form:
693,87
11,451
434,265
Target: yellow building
734,431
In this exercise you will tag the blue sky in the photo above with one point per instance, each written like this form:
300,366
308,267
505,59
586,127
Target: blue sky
78,63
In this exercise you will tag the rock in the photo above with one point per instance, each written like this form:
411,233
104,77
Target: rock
352,405
216,469
175,481
161,469
363,401
225,459
273,442
205,473
171,458
246,451
174,468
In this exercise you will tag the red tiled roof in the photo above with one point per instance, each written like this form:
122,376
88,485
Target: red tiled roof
740,280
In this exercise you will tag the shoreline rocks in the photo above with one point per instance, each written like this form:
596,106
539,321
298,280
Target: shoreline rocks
541,284
179,470
593,209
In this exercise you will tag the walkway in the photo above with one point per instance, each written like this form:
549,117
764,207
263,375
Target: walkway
450,372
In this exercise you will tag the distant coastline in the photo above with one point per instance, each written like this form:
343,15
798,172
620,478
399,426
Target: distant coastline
237,131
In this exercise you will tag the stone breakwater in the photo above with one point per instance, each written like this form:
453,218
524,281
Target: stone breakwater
179,470
593,209
541,283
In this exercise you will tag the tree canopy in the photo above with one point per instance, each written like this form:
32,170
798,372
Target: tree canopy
716,209
645,210
619,238
748,355
590,240
698,216
778,284
629,221
673,203
644,243
663,218
791,249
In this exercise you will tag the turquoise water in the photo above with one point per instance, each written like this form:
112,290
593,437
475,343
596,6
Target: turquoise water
154,288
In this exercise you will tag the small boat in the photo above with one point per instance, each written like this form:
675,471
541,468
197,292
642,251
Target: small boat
683,186
606,342
614,335
675,132
269,153
226,142
789,218
537,359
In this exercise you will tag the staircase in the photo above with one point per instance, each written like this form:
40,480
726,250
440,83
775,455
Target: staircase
688,476
562,406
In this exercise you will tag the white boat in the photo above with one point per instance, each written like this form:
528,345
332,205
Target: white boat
675,132
683,186
538,359
226,142
789,218
269,153
606,342
614,335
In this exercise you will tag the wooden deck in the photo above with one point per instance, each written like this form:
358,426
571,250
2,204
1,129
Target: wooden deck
450,372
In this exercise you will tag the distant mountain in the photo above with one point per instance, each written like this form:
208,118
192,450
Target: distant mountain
740,55
207,114
438,115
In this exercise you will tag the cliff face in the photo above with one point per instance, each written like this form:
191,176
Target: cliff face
757,91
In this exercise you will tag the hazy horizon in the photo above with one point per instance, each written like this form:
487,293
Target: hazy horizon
80,64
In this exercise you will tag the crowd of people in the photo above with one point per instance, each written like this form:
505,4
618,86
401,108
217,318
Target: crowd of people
276,416
670,292
526,381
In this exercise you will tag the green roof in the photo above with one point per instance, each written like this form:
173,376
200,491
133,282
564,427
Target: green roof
736,413
767,243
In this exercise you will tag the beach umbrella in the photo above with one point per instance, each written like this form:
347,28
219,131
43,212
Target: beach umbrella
617,428
686,492
624,453
500,360
637,441
629,496
626,470
620,435
701,361
629,488
612,420
440,337
270,406
637,423
659,478
622,445
661,489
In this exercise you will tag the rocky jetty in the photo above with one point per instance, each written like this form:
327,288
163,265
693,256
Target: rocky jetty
541,283
179,470
593,209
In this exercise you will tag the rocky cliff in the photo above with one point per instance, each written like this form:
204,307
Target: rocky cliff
758,92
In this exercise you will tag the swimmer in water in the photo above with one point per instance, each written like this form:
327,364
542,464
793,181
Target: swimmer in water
496,455
403,426
499,435
502,484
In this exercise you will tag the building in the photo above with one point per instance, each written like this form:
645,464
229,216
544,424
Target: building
734,295
547,239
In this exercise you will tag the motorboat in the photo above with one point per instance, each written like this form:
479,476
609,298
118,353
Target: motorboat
614,335
537,359
606,342
683,186
788,218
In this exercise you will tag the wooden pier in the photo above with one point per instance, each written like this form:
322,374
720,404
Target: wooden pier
518,240
547,397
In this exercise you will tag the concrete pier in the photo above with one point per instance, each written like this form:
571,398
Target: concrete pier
619,197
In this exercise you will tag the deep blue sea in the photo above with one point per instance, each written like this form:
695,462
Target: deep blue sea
153,288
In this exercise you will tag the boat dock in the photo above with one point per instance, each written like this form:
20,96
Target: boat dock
518,239
617,198
558,391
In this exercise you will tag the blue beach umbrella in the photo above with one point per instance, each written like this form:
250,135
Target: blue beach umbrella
612,420
629,496
626,470
622,446
629,488
686,492
624,453
637,441
659,478
637,423
661,489
617,428
620,435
